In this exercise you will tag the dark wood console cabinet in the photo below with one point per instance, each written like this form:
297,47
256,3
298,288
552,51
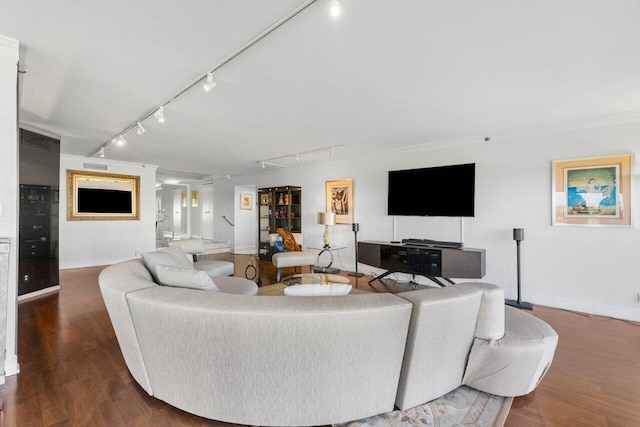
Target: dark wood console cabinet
428,261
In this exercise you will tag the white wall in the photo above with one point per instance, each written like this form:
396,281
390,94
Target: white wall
586,269
223,205
9,184
88,243
245,238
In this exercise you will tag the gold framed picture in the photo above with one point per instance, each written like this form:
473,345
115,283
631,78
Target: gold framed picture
99,196
593,191
340,200
246,201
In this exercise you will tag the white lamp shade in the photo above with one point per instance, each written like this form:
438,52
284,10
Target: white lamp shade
327,218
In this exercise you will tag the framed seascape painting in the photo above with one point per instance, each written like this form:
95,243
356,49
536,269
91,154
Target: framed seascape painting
340,200
593,191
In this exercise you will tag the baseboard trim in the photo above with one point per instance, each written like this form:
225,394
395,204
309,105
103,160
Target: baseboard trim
11,366
39,293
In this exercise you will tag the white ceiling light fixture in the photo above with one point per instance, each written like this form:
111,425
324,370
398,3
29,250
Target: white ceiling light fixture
268,162
335,9
159,114
141,128
102,152
228,177
171,181
263,164
120,140
210,84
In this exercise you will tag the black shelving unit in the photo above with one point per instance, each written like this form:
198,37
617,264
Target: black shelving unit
280,207
35,245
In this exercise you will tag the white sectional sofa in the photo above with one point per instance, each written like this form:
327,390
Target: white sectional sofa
277,360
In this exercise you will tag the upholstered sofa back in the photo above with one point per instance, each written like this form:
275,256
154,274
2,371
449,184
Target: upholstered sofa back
444,323
255,359
299,361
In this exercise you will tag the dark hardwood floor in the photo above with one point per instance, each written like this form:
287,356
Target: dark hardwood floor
72,372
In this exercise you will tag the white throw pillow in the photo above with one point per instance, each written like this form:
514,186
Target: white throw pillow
172,256
185,278
331,289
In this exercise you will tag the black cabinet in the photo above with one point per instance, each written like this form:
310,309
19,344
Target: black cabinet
35,245
280,207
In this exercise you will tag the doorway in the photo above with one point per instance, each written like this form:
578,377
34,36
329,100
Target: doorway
173,215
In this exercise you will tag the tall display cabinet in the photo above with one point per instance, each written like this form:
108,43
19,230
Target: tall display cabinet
39,207
280,207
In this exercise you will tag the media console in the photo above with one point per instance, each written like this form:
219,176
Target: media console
429,261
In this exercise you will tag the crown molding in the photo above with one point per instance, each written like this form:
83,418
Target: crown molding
589,122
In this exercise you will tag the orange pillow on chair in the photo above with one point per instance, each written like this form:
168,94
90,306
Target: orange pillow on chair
289,240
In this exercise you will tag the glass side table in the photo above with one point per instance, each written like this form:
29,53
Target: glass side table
325,259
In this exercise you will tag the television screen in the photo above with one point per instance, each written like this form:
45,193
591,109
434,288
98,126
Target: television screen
436,191
95,200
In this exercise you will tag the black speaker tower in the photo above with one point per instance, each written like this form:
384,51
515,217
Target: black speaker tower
518,236
356,227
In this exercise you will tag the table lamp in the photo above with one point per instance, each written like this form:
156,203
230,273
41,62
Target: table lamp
326,219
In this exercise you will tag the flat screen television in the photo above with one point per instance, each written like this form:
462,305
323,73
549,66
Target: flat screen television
435,191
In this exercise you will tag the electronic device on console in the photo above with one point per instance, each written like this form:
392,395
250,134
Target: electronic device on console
429,242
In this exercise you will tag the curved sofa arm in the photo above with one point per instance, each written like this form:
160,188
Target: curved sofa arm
116,282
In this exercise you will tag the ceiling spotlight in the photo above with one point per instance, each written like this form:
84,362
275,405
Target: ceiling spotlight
120,140
210,84
171,181
141,129
297,158
102,152
335,9
159,114
228,177
158,184
262,164
331,153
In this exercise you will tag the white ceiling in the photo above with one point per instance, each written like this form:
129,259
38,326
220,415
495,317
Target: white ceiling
383,75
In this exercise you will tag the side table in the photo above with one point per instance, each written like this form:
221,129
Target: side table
325,259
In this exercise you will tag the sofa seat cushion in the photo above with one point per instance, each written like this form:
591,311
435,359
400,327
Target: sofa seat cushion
292,259
215,268
236,285
514,364
172,256
185,278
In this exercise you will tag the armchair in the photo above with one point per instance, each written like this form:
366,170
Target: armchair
290,258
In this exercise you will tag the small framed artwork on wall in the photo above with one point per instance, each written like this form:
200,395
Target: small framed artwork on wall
594,191
246,201
340,200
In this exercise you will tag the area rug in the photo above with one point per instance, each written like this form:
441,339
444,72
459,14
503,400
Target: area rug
463,406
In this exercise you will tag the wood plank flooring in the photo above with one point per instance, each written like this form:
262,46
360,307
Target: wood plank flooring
72,372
